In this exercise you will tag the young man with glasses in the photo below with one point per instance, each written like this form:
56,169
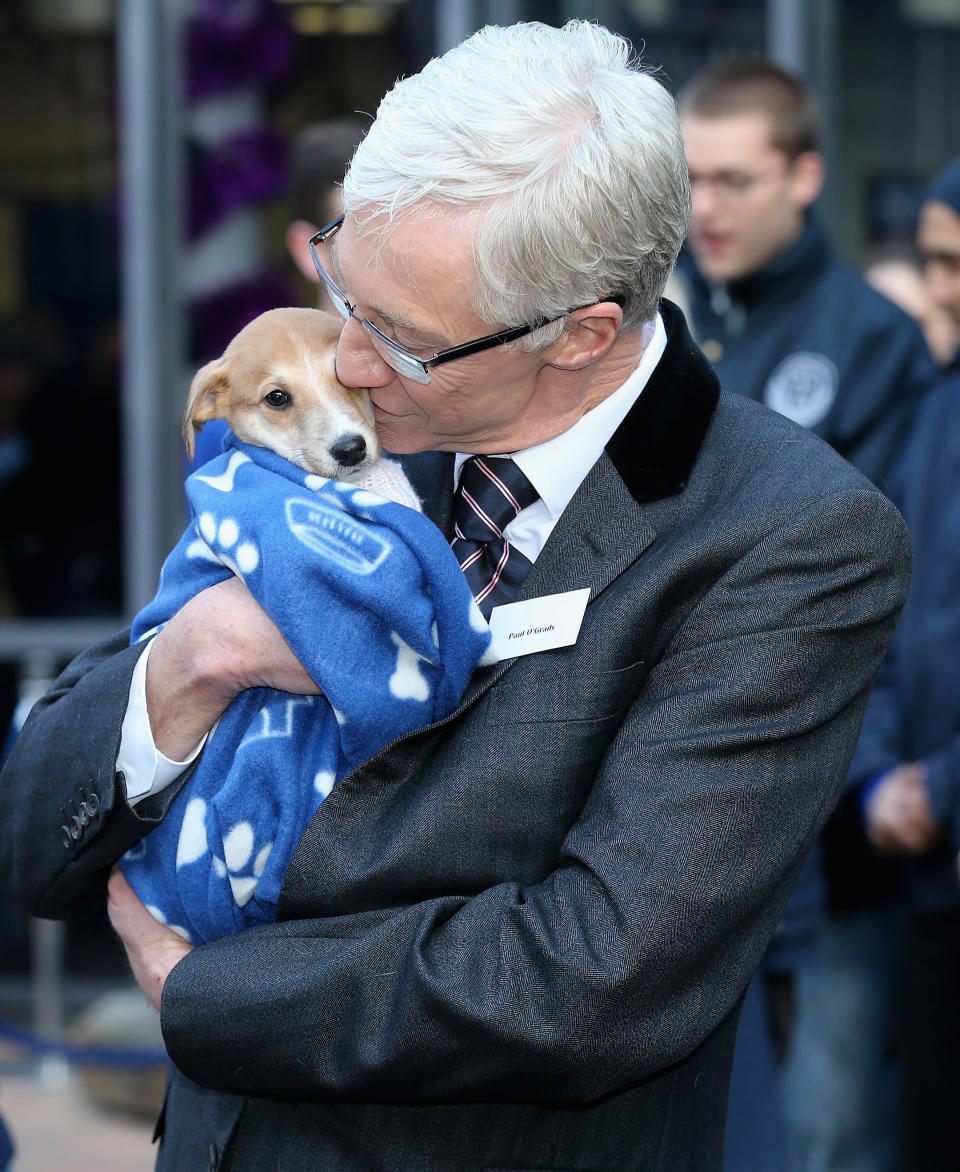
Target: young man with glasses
779,315
517,938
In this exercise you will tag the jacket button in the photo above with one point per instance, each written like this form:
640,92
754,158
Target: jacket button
213,1157
65,837
76,828
93,805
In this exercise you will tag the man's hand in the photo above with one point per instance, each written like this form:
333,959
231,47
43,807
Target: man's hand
899,818
219,644
152,949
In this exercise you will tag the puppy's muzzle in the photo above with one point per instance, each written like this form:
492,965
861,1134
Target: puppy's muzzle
349,450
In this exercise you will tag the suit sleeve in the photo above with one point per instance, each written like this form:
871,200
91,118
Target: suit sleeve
668,886
66,817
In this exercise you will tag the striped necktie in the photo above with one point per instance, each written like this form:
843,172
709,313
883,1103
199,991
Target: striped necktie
492,492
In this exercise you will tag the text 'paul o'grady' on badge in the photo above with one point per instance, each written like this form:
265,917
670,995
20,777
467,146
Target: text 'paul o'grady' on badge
537,624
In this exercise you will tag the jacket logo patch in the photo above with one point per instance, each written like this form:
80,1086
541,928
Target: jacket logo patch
803,387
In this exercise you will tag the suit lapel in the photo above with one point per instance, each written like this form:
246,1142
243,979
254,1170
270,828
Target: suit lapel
606,528
656,446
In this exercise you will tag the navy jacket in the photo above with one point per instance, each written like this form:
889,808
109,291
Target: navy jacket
806,335
914,712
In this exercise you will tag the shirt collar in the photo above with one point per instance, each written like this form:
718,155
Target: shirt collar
557,467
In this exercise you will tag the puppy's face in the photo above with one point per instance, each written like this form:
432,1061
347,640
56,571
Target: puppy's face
276,386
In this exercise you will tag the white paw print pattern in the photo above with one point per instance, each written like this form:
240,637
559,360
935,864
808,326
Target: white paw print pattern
222,538
324,781
408,681
240,865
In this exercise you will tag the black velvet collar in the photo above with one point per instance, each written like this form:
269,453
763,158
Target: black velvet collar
655,447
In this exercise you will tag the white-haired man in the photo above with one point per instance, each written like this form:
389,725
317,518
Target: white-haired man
517,938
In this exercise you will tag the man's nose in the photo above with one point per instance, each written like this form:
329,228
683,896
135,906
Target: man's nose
357,363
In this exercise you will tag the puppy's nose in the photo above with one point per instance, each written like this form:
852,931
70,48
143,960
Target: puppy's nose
349,450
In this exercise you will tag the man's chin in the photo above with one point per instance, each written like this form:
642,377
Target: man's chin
715,269
714,260
401,441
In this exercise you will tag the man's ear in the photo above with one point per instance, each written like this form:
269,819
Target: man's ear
806,178
298,245
588,334
203,402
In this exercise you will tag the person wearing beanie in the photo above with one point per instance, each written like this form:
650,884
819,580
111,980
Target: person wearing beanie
907,763
938,239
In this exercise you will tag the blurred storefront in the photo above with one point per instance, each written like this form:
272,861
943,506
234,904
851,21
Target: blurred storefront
143,200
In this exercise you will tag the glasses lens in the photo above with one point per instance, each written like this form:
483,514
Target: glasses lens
395,356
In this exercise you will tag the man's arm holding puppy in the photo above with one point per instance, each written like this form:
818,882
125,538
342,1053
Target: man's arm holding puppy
219,644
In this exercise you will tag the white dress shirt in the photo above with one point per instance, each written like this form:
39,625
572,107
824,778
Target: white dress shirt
556,469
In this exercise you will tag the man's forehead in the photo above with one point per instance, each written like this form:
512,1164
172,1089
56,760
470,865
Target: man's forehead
728,140
939,228
419,258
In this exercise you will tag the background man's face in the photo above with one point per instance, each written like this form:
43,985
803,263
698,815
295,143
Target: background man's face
938,238
749,198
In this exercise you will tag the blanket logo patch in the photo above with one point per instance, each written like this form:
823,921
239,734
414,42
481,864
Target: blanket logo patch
334,534
803,387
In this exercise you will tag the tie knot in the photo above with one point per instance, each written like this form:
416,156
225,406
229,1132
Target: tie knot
492,492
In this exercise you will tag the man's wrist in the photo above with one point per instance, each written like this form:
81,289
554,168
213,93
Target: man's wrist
144,768
185,696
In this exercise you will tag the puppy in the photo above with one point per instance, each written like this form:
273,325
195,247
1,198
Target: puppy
277,387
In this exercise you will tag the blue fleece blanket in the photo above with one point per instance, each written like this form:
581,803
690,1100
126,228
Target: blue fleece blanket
369,596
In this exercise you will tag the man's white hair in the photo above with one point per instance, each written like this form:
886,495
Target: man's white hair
566,148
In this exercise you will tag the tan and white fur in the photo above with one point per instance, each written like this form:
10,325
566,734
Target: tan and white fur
276,386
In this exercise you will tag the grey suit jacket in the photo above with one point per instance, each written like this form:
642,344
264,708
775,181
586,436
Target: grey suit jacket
518,938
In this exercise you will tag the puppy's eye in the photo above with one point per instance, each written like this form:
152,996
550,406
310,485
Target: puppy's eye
277,398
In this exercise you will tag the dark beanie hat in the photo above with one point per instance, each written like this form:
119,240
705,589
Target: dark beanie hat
945,186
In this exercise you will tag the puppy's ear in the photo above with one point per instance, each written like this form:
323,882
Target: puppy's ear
203,402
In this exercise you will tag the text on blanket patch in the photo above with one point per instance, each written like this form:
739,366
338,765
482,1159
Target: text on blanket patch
331,533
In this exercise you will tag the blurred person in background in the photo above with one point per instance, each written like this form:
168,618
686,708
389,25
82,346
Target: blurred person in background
895,268
319,155
938,239
779,315
785,321
906,771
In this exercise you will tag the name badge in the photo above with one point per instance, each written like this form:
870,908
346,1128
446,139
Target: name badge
537,624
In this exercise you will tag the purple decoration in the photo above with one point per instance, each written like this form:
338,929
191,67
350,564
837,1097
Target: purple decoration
231,45
235,45
246,168
215,319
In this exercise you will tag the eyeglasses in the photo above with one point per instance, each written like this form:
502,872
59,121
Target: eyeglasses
731,186
397,357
